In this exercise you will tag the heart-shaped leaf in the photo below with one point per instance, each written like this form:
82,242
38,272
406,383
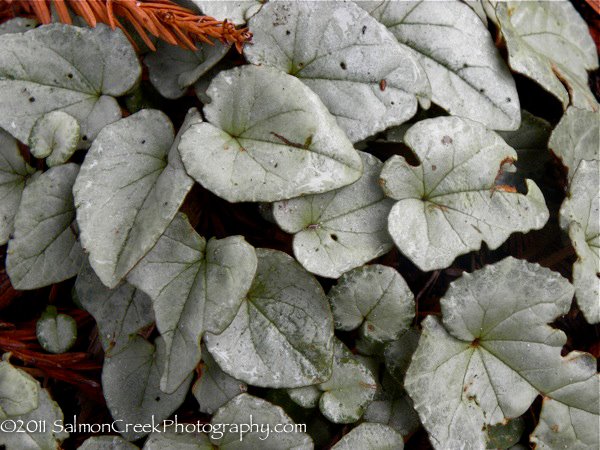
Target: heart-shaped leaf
196,287
54,136
467,74
45,248
122,215
371,436
282,335
367,80
55,332
451,203
268,138
67,68
342,229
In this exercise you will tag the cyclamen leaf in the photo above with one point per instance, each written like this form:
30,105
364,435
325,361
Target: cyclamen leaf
119,313
14,172
130,381
67,68
467,74
268,138
130,187
282,335
307,396
495,353
18,391
367,80
503,436
107,443
196,287
550,43
342,229
371,436
45,248
178,441
54,136
17,25
579,214
56,333
237,12
245,409
377,299
398,354
451,203
173,69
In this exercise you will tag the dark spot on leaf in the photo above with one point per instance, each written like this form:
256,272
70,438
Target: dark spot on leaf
288,32
554,428
370,327
475,343
334,237
69,75
508,99
157,399
382,85
364,28
31,99
84,138
433,167
446,140
482,90
343,65
143,141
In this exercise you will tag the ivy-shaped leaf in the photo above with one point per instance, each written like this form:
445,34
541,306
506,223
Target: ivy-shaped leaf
367,80
173,69
196,287
579,214
54,136
451,203
55,332
170,440
130,187
45,248
282,335
342,229
245,409
467,74
238,12
14,172
550,43
268,138
107,443
371,436
119,313
495,353
67,68
375,298
130,382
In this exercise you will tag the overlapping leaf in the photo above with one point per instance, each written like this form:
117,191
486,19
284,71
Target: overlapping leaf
238,12
371,436
54,136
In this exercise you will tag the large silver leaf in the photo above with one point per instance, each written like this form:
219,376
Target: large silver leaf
237,12
342,229
371,436
67,68
282,335
467,74
495,352
367,80
196,287
268,138
129,189
45,248
451,203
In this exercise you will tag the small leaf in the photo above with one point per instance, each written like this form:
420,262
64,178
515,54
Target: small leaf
377,299
129,189
195,288
342,229
107,443
282,335
467,74
307,396
371,436
367,80
14,172
119,313
17,25
170,440
237,12
268,138
451,203
67,68
56,333
173,69
245,409
130,381
503,436
54,136
45,247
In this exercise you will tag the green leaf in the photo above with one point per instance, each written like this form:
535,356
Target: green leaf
173,69
503,436
17,25
178,441
107,443
495,353
14,172
67,68
375,298
398,354
246,409
45,247
306,396
579,215
451,203
130,381
342,229
237,12
282,335
367,80
56,333
54,136
550,43
119,313
268,138
129,189
196,287
467,74
371,436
